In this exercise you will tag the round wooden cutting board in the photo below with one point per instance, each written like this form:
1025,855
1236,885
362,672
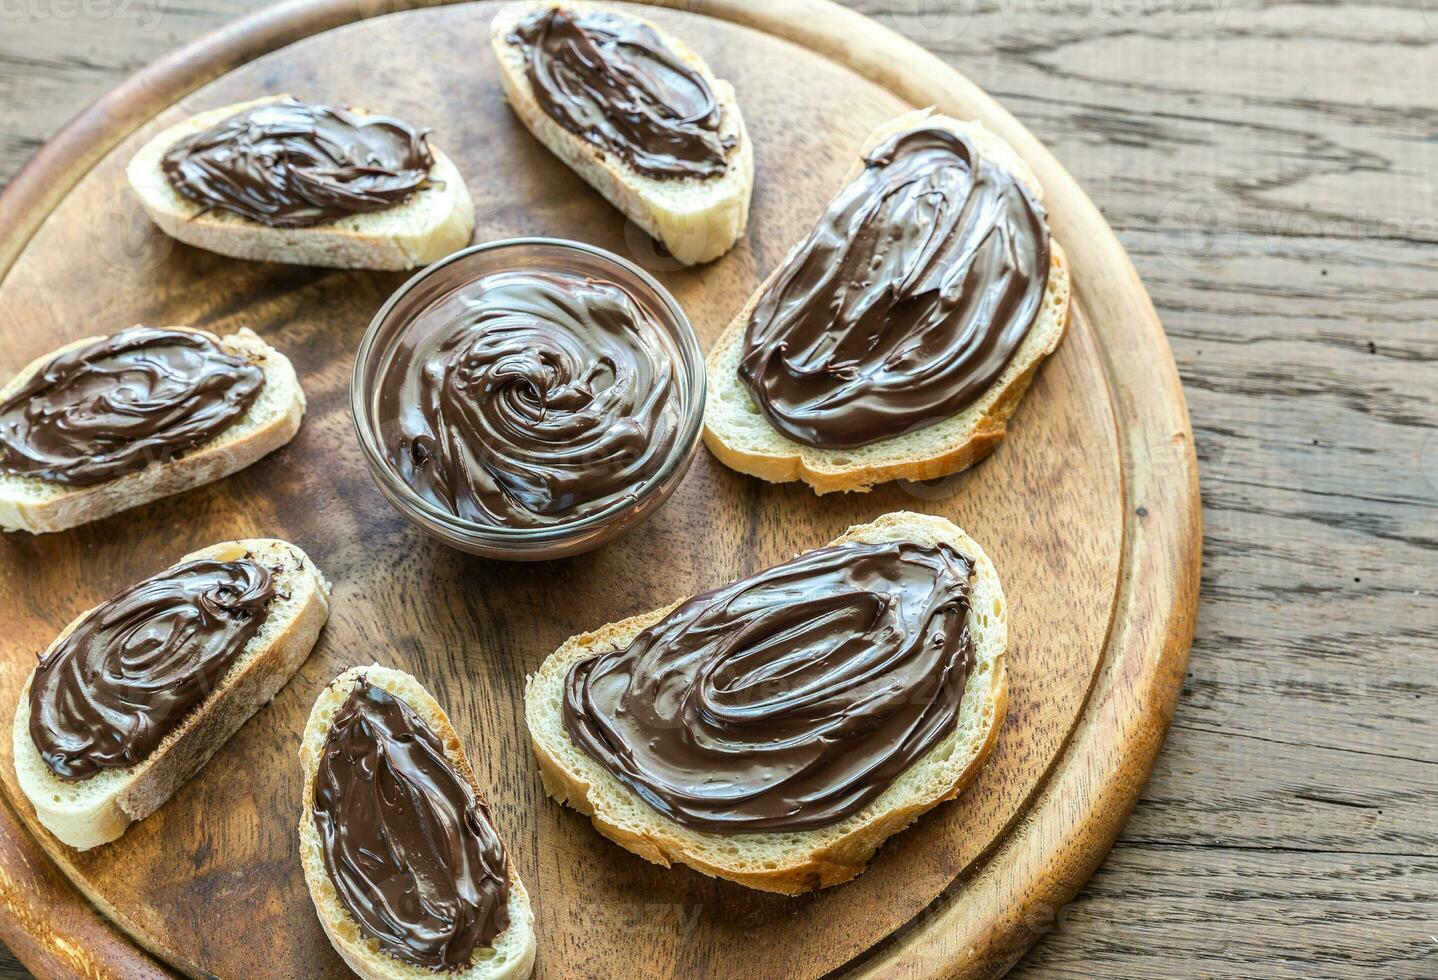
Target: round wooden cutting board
1089,509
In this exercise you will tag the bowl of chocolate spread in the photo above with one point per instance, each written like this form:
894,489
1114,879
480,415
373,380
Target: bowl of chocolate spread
529,399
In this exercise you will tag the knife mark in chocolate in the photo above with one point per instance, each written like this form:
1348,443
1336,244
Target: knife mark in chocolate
788,700
530,399
408,845
290,164
114,406
135,666
906,302
614,82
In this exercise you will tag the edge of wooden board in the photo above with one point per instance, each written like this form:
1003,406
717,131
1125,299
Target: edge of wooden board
1084,804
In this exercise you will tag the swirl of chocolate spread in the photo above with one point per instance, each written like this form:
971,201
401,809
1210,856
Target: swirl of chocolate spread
114,406
787,700
290,164
614,82
907,300
408,845
111,691
529,399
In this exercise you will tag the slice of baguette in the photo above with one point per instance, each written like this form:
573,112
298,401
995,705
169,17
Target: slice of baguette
512,955
788,862
435,221
97,810
738,434
29,503
697,220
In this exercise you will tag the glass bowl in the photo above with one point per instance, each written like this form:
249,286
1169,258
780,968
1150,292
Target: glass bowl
441,281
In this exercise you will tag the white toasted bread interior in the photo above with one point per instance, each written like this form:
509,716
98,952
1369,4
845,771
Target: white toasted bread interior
789,862
738,434
433,222
29,503
512,955
97,810
696,219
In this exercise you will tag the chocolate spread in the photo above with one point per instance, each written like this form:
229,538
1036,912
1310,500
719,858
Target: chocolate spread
907,300
121,681
408,845
787,700
614,82
290,164
112,407
530,398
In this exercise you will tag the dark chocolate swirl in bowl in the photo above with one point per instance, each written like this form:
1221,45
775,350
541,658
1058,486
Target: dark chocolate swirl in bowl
114,406
407,843
613,81
530,399
134,666
906,302
787,700
290,164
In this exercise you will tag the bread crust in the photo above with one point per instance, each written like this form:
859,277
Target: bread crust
147,785
220,457
664,842
364,958
693,232
434,222
960,450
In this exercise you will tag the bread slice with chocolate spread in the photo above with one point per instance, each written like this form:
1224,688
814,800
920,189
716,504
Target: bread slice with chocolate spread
431,223
787,861
740,436
34,504
99,808
697,219
510,954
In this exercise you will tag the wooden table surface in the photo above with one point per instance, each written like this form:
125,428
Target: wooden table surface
1272,167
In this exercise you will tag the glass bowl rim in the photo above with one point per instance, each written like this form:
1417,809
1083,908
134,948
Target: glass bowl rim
685,339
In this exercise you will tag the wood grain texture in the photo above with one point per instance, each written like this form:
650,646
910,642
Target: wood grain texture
1269,169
